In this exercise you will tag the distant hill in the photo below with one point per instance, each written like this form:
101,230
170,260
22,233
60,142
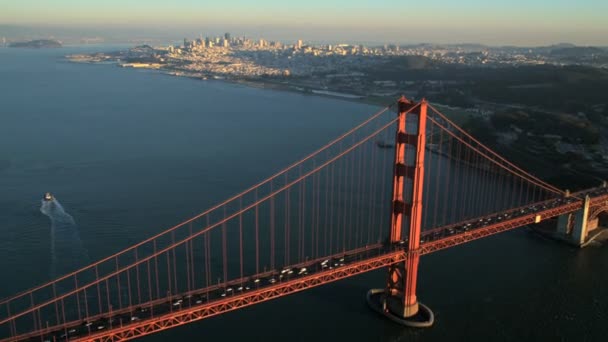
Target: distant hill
577,51
561,46
469,46
37,44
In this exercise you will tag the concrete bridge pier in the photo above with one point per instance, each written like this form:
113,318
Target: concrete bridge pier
574,227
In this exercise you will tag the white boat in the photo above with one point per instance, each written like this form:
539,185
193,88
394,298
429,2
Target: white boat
48,197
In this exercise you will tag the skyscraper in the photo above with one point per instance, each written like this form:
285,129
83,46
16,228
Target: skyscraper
299,44
227,36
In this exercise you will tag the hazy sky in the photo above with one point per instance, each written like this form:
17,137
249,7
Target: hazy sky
521,22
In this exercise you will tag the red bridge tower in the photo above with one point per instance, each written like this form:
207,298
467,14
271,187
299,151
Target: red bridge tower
398,300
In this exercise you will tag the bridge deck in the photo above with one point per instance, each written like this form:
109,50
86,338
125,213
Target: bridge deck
164,313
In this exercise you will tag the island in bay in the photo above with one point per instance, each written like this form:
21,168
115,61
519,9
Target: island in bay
37,44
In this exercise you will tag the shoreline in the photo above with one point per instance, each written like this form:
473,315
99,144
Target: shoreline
335,94
287,87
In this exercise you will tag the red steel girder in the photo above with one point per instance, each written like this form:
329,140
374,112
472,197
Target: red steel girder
457,239
188,315
600,200
440,229
234,282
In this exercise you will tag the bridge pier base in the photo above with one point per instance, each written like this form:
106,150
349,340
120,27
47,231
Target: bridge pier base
413,316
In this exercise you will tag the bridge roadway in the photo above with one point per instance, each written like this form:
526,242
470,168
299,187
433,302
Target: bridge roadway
456,234
214,300
181,309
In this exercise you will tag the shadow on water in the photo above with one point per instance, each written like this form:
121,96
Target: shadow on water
67,251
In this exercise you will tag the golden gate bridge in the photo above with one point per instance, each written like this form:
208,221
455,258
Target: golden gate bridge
405,182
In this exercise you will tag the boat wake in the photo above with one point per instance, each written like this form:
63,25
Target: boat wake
67,251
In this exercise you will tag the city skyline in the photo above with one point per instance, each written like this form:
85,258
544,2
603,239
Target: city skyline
524,23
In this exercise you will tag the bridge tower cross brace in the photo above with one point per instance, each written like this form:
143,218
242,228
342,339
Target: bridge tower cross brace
398,300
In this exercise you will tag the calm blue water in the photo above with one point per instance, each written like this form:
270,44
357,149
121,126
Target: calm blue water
129,152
